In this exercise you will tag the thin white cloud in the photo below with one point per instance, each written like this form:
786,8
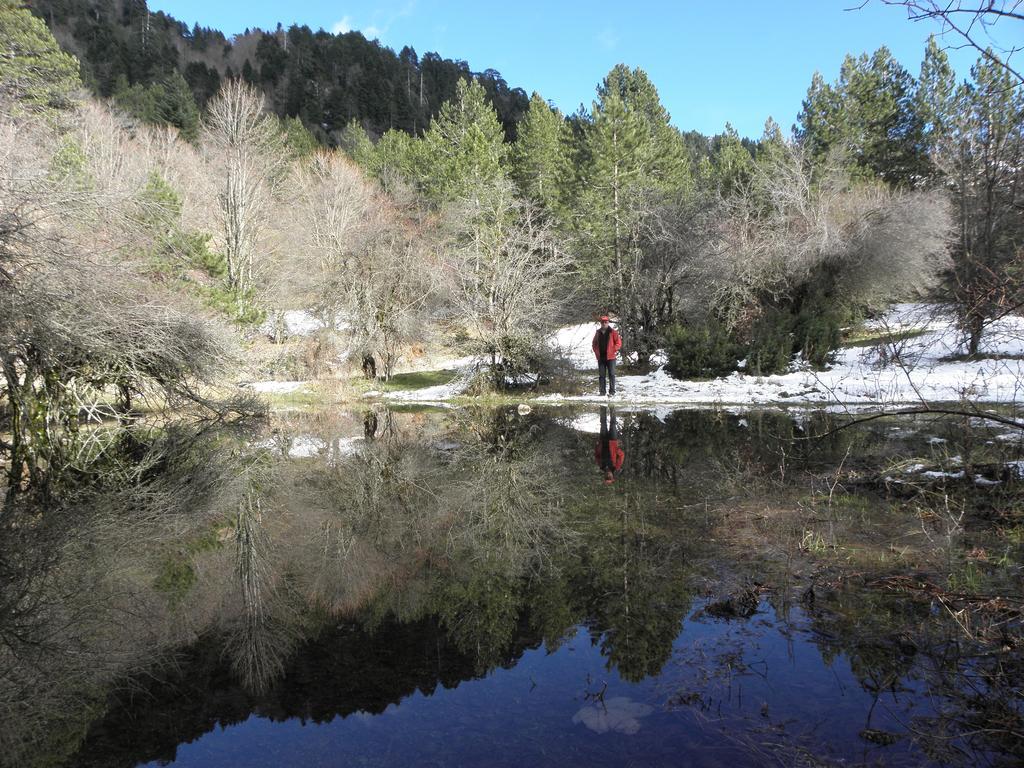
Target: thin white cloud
378,29
607,39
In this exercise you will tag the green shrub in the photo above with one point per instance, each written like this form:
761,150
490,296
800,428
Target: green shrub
817,332
239,306
702,349
771,343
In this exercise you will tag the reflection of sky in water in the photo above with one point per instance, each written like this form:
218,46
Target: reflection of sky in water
393,554
548,710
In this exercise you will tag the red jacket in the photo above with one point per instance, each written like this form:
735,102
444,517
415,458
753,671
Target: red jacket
614,344
617,454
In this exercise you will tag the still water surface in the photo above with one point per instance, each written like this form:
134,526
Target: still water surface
491,588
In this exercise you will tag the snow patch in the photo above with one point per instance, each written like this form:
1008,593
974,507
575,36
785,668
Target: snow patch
275,387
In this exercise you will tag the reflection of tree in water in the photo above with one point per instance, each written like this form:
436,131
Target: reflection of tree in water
894,643
635,583
259,639
346,581
73,615
722,452
471,523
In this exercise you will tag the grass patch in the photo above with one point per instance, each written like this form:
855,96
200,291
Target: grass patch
300,399
401,381
869,337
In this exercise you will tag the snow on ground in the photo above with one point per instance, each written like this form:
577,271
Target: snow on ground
589,423
858,377
574,343
275,387
300,322
436,394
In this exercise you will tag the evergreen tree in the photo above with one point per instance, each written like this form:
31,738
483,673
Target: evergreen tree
666,167
540,154
869,116
818,124
177,106
630,157
33,70
619,153
356,144
732,162
395,158
463,148
935,100
983,159
772,144
139,101
298,139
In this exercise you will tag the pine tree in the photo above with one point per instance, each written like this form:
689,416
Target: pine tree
869,117
818,124
667,162
983,157
935,100
463,148
177,106
732,162
540,155
33,70
297,137
630,156
772,144
619,153
395,159
356,144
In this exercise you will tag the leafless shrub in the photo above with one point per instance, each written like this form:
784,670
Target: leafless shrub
785,227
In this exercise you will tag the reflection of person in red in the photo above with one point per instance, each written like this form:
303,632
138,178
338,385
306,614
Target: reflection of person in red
607,453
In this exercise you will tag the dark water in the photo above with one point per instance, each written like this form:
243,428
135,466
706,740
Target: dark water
467,588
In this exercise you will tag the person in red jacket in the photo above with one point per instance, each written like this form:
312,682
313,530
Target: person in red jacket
606,345
607,453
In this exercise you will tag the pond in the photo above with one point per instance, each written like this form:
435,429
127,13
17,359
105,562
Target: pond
493,586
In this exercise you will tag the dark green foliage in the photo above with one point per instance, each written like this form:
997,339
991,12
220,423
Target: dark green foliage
167,102
34,72
817,331
868,116
701,349
324,80
240,306
356,144
298,139
771,343
178,106
540,155
203,80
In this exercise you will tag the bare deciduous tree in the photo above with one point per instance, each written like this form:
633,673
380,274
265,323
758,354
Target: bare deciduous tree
503,266
362,261
246,143
78,326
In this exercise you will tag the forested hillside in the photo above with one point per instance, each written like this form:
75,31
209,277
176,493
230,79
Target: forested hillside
151,63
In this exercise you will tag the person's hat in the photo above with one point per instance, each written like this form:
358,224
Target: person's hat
604,318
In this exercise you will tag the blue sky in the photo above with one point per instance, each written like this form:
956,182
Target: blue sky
712,62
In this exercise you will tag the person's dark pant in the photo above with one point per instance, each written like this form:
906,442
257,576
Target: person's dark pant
608,366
